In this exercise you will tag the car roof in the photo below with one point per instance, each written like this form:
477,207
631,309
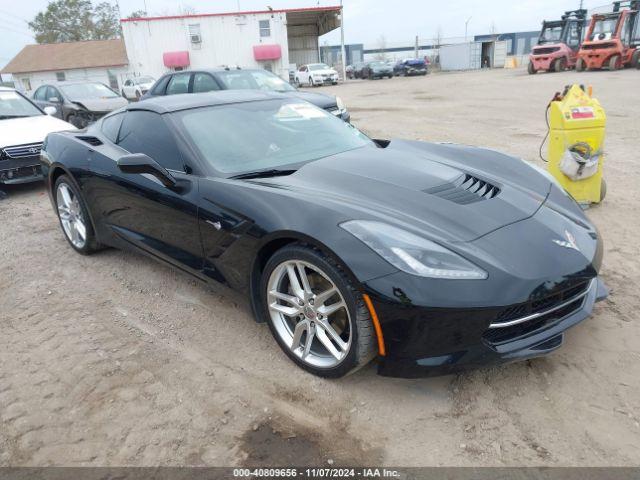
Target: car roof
185,101
218,70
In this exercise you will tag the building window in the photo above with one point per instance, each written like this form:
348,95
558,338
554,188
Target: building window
194,33
26,83
60,76
113,80
265,28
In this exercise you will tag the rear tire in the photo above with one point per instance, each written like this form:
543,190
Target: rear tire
580,65
614,63
603,189
355,344
531,69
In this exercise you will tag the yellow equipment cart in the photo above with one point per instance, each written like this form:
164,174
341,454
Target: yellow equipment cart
577,125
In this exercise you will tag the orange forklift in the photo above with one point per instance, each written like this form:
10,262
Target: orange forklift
611,39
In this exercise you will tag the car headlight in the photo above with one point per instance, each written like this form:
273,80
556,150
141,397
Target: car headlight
340,104
411,253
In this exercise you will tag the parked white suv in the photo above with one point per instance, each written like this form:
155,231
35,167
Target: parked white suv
23,128
136,87
316,74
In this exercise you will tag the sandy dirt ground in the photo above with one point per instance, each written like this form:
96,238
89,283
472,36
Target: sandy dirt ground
116,360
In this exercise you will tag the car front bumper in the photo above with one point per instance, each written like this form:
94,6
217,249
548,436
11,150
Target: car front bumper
22,170
462,344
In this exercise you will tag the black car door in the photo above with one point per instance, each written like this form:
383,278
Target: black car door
138,208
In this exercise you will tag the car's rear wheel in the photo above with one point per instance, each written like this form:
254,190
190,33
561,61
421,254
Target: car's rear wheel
316,315
138,96
531,69
75,120
310,82
580,65
73,217
635,59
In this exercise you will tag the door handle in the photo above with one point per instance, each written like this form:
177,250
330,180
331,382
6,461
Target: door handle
216,225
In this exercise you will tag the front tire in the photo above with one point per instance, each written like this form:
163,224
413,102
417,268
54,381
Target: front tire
580,65
635,60
614,63
560,65
315,313
531,69
311,84
73,216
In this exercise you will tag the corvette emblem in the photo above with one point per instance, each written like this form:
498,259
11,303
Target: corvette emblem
570,241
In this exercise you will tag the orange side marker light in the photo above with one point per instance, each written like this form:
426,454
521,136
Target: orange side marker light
376,324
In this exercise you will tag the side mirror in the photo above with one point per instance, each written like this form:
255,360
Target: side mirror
50,110
54,100
141,163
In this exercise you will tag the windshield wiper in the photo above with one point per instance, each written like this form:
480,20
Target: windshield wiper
263,174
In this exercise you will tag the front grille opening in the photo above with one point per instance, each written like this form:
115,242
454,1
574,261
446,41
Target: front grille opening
507,334
22,151
465,189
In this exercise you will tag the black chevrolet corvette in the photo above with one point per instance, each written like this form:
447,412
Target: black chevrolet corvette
430,257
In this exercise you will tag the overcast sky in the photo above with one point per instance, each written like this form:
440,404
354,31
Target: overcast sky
366,21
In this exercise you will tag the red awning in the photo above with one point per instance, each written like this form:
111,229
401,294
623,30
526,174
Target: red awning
176,59
267,52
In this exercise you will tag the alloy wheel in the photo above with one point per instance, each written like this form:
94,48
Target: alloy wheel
71,216
309,313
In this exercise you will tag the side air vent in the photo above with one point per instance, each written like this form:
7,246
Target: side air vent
90,140
465,189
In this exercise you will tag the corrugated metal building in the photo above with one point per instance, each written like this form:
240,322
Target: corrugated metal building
270,39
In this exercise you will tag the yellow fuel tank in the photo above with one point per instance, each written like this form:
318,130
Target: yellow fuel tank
577,118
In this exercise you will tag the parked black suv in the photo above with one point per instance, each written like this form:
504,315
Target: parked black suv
198,81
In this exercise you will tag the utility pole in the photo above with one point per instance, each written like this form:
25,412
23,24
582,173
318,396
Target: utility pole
416,48
344,57
466,25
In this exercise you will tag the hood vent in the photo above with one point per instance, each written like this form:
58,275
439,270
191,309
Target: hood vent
90,140
465,189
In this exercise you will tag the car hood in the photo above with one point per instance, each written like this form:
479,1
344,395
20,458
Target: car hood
22,131
101,104
413,185
318,99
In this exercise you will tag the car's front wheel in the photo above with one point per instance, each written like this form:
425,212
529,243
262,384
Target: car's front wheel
73,217
315,313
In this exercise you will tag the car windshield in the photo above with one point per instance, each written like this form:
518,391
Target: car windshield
605,27
551,34
265,135
88,90
14,105
377,64
318,66
253,80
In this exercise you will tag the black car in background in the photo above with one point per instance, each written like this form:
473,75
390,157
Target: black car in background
79,103
430,257
199,81
356,70
376,69
410,66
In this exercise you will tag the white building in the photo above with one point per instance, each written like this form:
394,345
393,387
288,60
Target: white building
97,60
271,39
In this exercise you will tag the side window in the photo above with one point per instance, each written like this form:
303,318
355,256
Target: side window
203,82
111,126
161,86
128,83
53,93
146,132
40,94
573,38
179,84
